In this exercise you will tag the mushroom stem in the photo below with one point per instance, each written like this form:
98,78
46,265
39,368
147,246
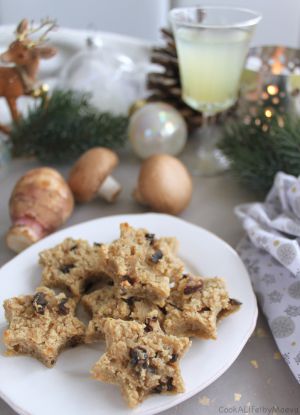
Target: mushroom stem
109,189
21,236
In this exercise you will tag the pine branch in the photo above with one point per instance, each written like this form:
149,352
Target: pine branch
66,127
256,156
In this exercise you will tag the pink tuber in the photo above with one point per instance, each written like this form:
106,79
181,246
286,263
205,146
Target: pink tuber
40,203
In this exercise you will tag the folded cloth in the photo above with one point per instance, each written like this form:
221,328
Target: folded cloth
271,252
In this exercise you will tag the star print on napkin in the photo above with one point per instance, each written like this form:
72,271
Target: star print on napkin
271,253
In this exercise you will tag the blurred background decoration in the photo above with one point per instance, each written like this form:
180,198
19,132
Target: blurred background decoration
114,58
145,17
264,139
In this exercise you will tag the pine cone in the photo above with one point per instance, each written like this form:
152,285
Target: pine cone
165,86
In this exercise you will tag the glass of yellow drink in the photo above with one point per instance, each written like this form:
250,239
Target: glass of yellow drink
212,44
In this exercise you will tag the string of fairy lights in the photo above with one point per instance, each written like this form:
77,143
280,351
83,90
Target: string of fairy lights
275,87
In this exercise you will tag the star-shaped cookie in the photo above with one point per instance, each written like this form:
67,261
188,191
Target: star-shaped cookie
196,305
106,302
71,265
142,265
141,362
42,325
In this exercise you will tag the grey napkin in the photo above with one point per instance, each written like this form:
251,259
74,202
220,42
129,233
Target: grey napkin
271,253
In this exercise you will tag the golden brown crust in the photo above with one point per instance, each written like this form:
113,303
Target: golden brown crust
195,305
71,265
42,325
141,265
140,362
106,302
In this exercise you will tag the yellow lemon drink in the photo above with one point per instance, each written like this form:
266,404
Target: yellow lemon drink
211,63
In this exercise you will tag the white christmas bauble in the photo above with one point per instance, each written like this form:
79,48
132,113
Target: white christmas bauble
112,78
157,128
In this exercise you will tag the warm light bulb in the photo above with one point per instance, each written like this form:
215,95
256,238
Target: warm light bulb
272,89
268,113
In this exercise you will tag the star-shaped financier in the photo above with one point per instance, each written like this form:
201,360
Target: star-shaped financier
42,325
101,304
196,305
71,265
105,302
142,265
141,362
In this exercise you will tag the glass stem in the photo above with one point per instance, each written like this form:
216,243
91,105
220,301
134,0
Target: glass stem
208,160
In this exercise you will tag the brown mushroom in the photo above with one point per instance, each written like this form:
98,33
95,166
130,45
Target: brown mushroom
90,176
40,203
164,184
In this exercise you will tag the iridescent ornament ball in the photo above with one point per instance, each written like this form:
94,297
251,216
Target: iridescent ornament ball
157,128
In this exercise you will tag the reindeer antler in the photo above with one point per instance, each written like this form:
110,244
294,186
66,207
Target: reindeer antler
44,23
23,31
52,26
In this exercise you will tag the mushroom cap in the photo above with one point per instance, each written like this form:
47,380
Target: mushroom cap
90,171
164,184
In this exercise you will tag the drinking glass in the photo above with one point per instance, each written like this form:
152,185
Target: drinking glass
212,44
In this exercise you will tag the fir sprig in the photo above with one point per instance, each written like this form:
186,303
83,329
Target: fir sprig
256,155
65,127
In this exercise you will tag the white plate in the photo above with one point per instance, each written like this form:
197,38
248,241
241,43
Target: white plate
30,388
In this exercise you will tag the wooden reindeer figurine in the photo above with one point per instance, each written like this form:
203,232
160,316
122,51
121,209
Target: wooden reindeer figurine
24,53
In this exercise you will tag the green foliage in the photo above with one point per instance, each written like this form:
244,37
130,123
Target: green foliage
256,156
65,127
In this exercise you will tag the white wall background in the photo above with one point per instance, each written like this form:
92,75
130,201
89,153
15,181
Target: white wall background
140,18
281,18
143,18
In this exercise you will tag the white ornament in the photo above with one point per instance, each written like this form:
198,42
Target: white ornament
157,128
112,78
